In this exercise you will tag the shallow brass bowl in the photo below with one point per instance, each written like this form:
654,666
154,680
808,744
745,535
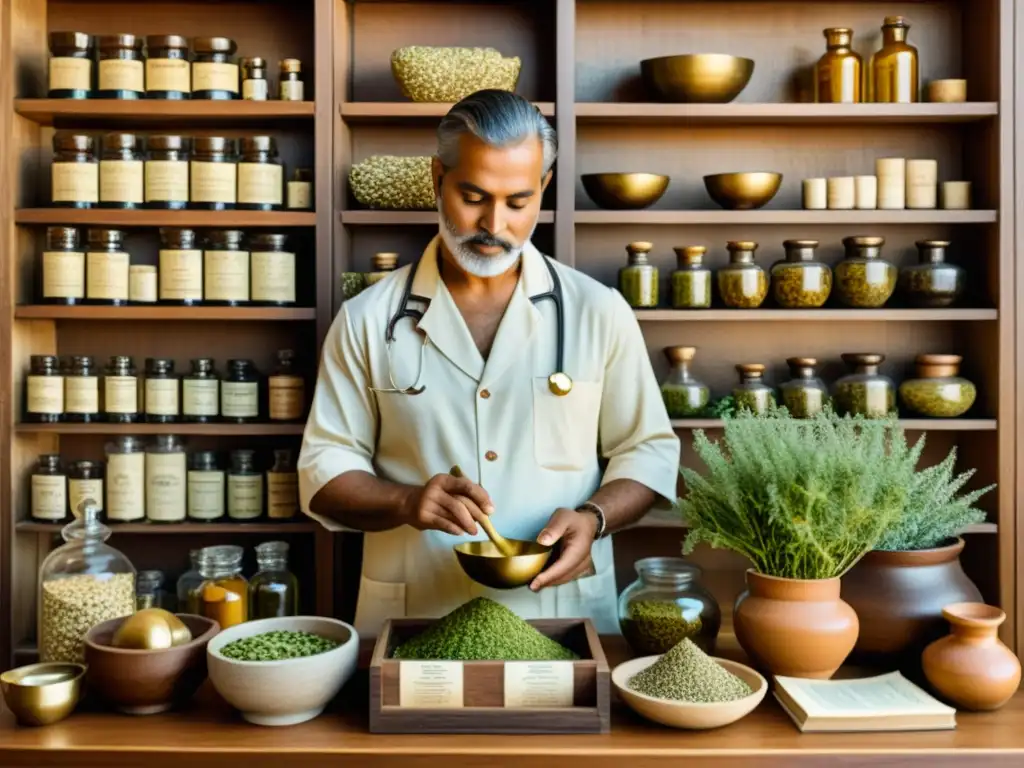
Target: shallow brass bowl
624,191
484,564
743,191
42,694
697,78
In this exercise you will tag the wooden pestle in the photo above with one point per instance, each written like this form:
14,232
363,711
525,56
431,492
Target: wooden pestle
505,547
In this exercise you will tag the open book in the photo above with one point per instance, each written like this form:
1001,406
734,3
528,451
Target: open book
884,703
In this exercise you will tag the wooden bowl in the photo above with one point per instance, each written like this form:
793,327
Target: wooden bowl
484,564
42,694
145,682
697,78
684,714
624,191
743,191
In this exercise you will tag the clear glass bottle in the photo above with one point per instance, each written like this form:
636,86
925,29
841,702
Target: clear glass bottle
254,79
70,75
893,75
122,171
206,484
161,399
49,490
213,182
932,282
260,175
667,604
81,584
188,585
122,74
74,172
273,270
381,265
742,284
167,173
300,190
290,84
149,591
286,390
804,395
200,392
106,268
226,268
85,484
82,391
168,70
44,390
245,487
800,282
864,279
181,267
240,393
63,268
638,280
274,590
684,396
752,393
691,282
864,391
126,480
938,390
283,487
838,77
121,391
214,70
224,593
166,480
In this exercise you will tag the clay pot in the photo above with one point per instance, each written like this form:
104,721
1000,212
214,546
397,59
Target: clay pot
794,627
899,597
971,667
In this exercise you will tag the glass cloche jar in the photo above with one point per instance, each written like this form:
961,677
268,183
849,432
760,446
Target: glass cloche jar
81,584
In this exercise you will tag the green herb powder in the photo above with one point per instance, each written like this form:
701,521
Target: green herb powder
686,673
275,646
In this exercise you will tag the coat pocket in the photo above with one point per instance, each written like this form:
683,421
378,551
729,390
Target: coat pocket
565,428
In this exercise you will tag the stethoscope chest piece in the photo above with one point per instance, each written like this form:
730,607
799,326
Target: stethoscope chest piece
560,384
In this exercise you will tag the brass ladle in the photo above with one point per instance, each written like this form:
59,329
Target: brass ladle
505,547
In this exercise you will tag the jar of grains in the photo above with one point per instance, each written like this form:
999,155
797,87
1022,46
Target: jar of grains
864,391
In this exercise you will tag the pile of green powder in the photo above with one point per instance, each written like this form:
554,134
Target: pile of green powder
482,630
686,673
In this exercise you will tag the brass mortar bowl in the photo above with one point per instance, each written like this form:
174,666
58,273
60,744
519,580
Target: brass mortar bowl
697,78
624,191
743,191
484,564
42,694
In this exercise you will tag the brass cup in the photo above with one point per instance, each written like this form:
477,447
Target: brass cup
484,564
624,191
743,191
697,78
42,694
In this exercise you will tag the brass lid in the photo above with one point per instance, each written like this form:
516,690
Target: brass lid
799,250
679,354
741,245
113,142
838,35
934,366
640,246
78,40
214,45
65,141
801,362
166,41
862,358
896,21
213,145
114,42
254,62
291,66
384,262
750,370
864,241
690,254
168,143
254,144
932,243
105,237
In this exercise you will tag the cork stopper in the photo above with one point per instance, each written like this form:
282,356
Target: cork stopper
676,355
802,367
937,366
749,371
690,255
638,251
384,262
291,66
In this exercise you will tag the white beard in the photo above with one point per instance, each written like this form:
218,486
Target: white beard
468,260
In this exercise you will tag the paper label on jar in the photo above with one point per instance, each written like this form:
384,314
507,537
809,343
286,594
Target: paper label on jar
273,276
214,76
205,494
168,75
292,90
538,684
121,181
282,494
63,274
300,195
200,397
82,394
181,274
70,74
286,396
142,283
165,486
239,399
122,75
126,486
430,684
121,394
161,397
49,497
84,490
245,496
260,183
166,181
45,394
75,182
226,275
255,90
213,182
107,275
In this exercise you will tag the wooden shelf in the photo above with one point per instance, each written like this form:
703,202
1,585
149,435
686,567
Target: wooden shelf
176,114
216,429
184,314
802,315
384,112
912,425
27,526
116,218
391,218
839,218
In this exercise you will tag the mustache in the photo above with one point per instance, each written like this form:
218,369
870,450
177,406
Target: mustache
487,240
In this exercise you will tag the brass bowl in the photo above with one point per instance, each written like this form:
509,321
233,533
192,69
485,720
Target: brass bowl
624,191
484,564
743,191
697,78
42,694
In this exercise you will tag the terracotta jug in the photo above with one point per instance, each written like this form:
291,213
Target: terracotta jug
971,667
794,627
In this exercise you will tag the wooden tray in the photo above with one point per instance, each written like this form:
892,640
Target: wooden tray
473,697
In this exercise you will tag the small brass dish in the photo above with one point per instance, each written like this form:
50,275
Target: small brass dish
624,191
42,694
743,191
484,564
697,78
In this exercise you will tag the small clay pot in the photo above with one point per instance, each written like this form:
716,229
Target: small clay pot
971,667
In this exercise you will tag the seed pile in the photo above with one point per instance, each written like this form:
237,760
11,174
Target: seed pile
75,604
798,286
656,626
394,183
426,73
686,673
275,646
742,288
482,630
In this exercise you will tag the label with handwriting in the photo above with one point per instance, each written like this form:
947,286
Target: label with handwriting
538,684
430,684
84,490
45,394
122,75
214,76
82,394
121,394
300,195
75,182
70,74
168,75
49,497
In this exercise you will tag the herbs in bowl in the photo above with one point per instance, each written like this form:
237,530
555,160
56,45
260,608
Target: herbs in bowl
278,645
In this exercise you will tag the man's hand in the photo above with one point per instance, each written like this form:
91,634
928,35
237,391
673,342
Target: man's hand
447,503
576,532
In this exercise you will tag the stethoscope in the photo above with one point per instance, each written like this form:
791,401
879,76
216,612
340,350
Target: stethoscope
558,382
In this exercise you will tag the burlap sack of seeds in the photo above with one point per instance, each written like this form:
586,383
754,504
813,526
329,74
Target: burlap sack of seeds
430,74
393,183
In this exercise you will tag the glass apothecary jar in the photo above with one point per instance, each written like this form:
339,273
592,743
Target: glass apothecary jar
742,284
752,393
224,593
150,592
214,69
187,588
260,175
684,395
82,583
274,590
70,75
638,280
691,282
864,279
168,70
932,282
667,604
800,282
121,72
838,77
864,391
804,395
938,390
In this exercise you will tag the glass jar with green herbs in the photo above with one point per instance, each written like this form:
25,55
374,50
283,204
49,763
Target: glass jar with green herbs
864,279
691,282
752,393
800,282
804,395
274,590
864,391
742,284
638,280
684,396
932,282
938,390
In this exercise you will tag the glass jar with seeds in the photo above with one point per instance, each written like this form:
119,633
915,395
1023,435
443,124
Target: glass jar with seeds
804,395
70,75
214,70
290,86
638,280
254,79
742,284
864,391
85,485
752,393
121,73
691,282
274,590
168,70
74,172
932,282
44,390
49,490
800,282
864,279
938,390
684,396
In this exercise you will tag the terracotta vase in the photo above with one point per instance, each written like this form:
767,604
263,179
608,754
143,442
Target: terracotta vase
899,597
794,627
971,667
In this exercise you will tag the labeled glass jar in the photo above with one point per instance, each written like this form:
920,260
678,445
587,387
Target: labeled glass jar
161,403
122,172
44,390
240,392
283,487
166,482
684,396
85,485
742,284
226,268
299,195
188,585
932,282
638,280
214,71
864,279
205,487
864,391
752,393
245,487
70,75
126,480
200,392
254,79
274,590
181,267
121,390
167,173
82,391
666,605
691,281
149,591
63,267
49,491
168,70
804,395
800,282
938,391
224,593
213,184
290,84
273,270
381,265
122,74
286,390
260,175
74,172
106,268
81,584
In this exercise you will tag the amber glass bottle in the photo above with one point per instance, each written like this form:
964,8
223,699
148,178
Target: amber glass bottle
893,76
837,75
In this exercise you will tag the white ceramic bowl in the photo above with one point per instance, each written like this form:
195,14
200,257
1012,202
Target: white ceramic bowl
283,692
684,714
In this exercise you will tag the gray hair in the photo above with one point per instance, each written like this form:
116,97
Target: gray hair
497,118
